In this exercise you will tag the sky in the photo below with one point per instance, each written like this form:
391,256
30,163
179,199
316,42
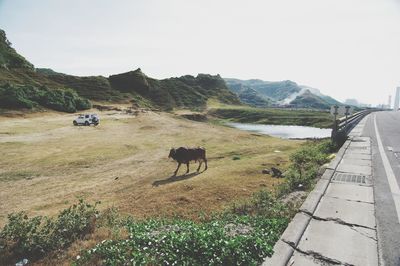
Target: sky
345,48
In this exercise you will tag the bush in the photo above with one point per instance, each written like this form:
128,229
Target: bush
64,100
31,238
15,97
305,164
82,104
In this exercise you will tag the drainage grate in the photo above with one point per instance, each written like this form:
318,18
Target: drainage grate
359,147
349,178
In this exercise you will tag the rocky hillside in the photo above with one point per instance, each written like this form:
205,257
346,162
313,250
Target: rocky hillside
9,58
261,93
21,83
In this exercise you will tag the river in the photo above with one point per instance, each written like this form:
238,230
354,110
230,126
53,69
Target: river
286,132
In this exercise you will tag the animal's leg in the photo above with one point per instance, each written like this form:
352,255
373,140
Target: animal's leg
205,160
187,165
176,171
198,168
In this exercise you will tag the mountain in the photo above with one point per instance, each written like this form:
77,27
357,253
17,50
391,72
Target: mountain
252,97
279,93
276,91
23,86
310,100
317,92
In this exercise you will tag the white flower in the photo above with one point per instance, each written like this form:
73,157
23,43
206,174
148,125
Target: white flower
78,257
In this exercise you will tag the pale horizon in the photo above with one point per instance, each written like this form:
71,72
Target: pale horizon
346,49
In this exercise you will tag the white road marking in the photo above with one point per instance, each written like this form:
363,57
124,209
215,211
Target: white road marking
394,186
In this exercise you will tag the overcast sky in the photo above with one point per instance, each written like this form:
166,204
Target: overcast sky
346,48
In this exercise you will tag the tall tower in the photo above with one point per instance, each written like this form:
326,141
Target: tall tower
390,102
396,100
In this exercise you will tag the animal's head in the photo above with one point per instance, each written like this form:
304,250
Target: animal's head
172,153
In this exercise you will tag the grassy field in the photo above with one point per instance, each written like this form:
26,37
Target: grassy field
270,116
46,164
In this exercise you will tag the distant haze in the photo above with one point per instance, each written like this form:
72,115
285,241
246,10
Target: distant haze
345,48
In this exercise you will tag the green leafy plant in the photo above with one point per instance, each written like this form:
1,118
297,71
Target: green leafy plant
237,240
305,164
32,238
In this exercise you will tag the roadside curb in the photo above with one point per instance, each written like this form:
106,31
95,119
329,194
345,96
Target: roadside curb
283,249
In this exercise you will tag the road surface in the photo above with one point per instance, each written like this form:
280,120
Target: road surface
384,130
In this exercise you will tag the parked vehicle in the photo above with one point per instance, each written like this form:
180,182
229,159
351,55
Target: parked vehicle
87,120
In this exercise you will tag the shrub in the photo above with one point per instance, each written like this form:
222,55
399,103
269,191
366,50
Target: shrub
82,104
305,164
31,238
15,97
64,100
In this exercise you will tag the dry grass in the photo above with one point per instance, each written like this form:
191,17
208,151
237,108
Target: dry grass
46,163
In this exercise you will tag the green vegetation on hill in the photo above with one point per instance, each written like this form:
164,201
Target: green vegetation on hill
179,92
64,100
134,86
9,58
185,92
95,88
279,93
276,91
309,100
252,98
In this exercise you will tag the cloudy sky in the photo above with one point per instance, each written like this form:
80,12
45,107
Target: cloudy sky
346,48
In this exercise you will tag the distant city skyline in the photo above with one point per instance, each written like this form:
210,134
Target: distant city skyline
347,49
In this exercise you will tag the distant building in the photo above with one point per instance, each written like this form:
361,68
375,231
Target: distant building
396,99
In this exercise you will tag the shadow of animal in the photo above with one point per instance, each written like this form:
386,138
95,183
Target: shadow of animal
174,178
186,155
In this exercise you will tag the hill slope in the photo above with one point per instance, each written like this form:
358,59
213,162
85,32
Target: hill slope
281,93
21,83
9,58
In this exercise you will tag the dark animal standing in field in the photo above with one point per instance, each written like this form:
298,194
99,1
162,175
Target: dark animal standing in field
185,155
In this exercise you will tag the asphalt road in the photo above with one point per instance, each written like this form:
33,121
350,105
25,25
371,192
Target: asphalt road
384,130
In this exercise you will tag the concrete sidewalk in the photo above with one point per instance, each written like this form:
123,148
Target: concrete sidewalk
336,224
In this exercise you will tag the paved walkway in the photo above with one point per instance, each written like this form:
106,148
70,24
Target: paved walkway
336,224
